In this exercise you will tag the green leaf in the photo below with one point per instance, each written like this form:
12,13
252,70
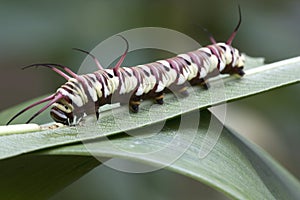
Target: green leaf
234,166
117,120
39,177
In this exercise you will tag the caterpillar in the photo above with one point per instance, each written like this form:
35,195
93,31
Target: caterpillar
82,95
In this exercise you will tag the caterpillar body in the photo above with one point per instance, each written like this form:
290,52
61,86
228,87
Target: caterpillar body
84,94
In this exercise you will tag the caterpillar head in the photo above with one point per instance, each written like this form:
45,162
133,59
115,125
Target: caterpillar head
72,106
62,112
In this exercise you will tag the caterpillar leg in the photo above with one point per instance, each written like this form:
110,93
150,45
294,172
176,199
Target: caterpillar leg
183,91
159,98
204,84
134,103
97,110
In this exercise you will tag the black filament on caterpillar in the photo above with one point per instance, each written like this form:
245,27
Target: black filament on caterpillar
84,94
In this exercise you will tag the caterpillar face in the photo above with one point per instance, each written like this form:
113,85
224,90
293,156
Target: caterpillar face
68,109
66,118
63,112
60,116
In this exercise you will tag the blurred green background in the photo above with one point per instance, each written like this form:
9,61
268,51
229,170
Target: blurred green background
45,31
